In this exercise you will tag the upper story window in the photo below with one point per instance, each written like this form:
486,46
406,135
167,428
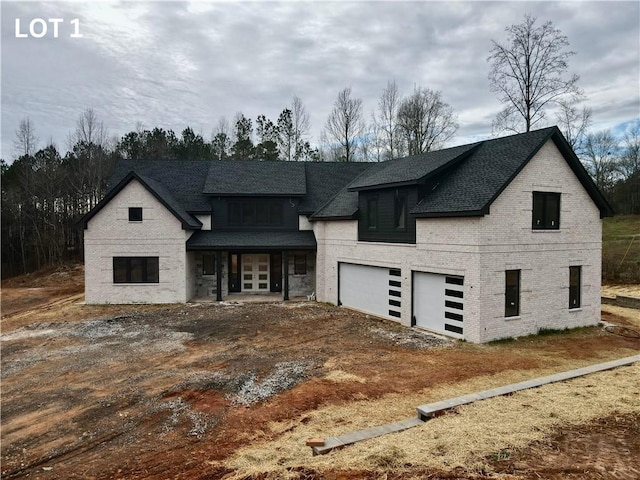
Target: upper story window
135,214
546,211
372,213
258,213
400,211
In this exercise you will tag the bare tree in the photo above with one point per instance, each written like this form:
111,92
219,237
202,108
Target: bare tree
573,123
345,125
529,74
26,140
630,161
301,126
386,120
90,130
601,158
221,139
425,121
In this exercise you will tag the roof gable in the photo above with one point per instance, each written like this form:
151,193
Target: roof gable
158,191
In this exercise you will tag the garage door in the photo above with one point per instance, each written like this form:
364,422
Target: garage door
375,290
438,303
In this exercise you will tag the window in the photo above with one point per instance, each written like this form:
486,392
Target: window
300,264
208,264
574,286
135,270
372,213
255,213
400,212
512,293
546,211
135,214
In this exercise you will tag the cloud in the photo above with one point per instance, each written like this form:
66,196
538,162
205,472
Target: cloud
179,64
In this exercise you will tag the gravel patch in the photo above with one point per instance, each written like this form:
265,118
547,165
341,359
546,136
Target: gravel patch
412,338
285,376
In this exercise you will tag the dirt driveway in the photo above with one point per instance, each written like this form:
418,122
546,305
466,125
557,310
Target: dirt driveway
178,391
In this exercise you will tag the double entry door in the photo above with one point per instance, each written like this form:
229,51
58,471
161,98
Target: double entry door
255,272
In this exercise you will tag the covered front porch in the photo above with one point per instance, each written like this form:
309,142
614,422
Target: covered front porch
262,265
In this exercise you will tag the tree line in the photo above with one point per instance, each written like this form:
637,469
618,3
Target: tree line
46,192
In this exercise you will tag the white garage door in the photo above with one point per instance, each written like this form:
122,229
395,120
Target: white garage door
438,303
375,290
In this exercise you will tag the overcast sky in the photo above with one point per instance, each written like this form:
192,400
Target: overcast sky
179,64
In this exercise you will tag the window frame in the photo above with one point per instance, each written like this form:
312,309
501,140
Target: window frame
254,214
135,214
204,263
148,275
539,211
512,293
299,260
372,213
575,289
400,211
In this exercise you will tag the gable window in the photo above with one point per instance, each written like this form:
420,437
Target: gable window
546,211
135,270
400,212
135,214
512,293
574,286
300,264
372,213
208,264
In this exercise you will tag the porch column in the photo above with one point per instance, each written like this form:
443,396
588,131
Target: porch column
218,275
285,273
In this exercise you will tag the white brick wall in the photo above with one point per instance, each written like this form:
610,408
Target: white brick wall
160,234
482,248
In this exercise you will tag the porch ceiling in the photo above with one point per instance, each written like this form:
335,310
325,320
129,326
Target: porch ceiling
252,240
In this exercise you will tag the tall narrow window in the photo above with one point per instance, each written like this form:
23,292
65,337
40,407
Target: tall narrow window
512,293
372,213
135,214
400,212
574,286
208,264
546,211
300,264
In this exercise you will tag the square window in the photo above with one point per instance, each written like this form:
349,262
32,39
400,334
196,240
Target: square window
300,264
546,211
208,264
512,293
574,286
135,214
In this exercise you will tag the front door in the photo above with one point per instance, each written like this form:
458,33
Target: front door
255,272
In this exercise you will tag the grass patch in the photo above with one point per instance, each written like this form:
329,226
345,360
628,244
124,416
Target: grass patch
621,249
545,332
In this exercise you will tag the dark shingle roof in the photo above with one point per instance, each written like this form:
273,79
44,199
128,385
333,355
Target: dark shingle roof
408,170
325,180
217,240
158,191
473,184
254,178
183,179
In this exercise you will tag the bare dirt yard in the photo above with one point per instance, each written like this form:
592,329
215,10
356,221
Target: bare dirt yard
208,391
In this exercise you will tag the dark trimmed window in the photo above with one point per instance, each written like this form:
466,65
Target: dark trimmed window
135,270
255,213
575,274
372,213
208,264
546,211
400,212
300,264
512,293
135,214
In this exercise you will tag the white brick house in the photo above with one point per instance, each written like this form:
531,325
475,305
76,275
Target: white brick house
496,239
